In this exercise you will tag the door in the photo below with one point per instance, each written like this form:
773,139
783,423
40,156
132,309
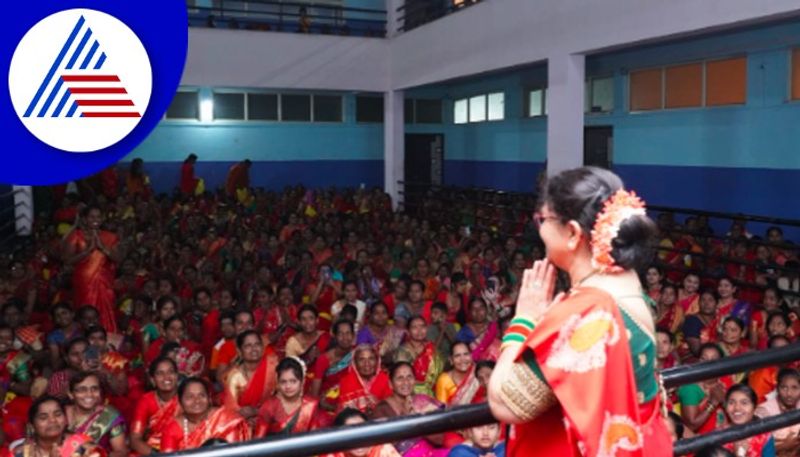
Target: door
424,156
598,146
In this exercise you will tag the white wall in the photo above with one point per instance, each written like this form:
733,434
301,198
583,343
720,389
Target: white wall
239,58
498,34
491,35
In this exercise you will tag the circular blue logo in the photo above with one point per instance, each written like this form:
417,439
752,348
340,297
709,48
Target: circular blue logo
87,82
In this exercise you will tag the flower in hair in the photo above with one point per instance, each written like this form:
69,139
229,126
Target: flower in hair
620,206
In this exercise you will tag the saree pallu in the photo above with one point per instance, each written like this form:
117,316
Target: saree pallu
275,420
386,343
105,424
151,419
419,447
690,304
93,278
383,450
582,350
452,394
220,423
762,445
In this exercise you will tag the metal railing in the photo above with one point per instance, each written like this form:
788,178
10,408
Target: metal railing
459,418
471,201
415,13
280,16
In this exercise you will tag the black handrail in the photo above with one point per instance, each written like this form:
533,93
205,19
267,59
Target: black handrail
737,432
458,418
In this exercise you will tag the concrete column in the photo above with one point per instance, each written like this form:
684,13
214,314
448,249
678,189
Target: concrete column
23,210
565,106
392,22
393,144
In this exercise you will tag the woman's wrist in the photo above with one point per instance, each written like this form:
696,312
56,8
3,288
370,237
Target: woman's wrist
518,331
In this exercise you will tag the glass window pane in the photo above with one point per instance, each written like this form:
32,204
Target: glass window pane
726,82
646,89
228,106
369,109
428,111
602,95
477,108
536,103
460,111
497,103
296,108
327,108
185,105
262,107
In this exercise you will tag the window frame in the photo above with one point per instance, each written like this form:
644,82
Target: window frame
264,121
590,94
526,106
224,90
185,90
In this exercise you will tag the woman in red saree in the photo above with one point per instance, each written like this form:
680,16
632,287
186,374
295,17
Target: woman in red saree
156,409
688,294
199,422
365,384
250,383
740,406
309,342
576,375
188,184
425,360
289,411
93,252
670,312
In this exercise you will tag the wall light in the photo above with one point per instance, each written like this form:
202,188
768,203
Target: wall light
207,110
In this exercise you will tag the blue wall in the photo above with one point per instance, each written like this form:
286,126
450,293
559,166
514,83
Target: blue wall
735,158
283,153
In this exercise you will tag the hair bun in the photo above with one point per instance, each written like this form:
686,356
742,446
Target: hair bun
632,248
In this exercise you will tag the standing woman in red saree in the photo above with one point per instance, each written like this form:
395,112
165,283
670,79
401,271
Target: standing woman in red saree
576,375
94,254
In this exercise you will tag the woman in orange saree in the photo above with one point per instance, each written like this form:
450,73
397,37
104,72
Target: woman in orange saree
156,409
93,252
460,385
576,375
199,422
289,411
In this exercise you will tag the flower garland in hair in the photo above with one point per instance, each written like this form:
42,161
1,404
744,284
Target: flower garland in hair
620,206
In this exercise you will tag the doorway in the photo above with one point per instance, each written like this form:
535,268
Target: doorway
598,146
423,166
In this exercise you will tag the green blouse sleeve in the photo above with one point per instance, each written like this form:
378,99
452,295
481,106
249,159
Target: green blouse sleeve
691,394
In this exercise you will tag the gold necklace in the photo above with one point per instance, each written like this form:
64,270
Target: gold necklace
580,283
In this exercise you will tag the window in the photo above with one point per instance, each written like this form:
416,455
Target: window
646,89
795,91
600,95
296,108
535,103
726,82
262,107
477,108
185,105
369,109
701,84
427,111
684,86
327,108
228,106
497,105
460,111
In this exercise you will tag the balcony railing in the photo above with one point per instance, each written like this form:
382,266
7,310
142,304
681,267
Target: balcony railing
291,17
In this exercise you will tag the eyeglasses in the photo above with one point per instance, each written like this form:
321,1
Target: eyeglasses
539,218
